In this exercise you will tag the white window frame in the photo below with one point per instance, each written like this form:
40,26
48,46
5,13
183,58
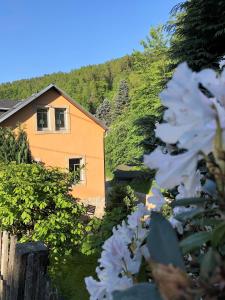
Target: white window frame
66,119
82,170
48,119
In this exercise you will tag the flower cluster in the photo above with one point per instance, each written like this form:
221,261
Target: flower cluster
121,256
195,105
194,122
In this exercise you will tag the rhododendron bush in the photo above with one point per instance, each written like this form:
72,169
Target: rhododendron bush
182,257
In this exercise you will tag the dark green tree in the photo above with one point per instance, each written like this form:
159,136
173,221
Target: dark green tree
121,99
103,112
14,146
23,153
198,33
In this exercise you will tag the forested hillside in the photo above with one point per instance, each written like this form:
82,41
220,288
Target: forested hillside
87,85
123,93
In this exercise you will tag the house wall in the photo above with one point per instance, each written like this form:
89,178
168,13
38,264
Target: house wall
83,138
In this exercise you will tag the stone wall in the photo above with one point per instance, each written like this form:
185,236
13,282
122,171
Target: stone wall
98,202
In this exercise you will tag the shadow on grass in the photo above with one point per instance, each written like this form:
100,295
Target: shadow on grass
70,278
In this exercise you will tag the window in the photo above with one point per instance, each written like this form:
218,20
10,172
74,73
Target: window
60,118
42,119
76,165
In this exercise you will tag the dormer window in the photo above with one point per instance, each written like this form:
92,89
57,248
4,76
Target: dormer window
42,119
60,119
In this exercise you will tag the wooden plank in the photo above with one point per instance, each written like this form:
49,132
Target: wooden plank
12,251
29,288
4,261
0,247
1,282
5,255
16,276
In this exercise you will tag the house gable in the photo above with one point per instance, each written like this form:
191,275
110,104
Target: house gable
21,105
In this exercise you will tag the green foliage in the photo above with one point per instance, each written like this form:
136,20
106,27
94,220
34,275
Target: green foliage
104,112
122,196
14,146
163,243
132,133
100,230
69,275
122,99
88,85
198,33
120,202
142,291
35,204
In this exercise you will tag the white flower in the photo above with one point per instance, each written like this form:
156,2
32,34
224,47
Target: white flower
157,200
176,224
222,63
189,113
121,257
192,190
134,219
124,232
96,289
172,169
214,83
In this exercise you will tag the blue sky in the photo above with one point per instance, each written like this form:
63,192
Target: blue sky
45,36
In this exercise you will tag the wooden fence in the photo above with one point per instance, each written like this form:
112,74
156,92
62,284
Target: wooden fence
23,270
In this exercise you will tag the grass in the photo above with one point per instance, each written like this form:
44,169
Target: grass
142,186
70,279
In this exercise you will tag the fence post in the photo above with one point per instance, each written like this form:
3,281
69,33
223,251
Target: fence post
29,259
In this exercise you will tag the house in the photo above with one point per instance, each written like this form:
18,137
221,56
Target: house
62,134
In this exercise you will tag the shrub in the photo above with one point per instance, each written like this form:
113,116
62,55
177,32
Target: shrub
122,196
101,229
35,204
121,202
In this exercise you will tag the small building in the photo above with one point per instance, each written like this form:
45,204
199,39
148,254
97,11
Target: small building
63,134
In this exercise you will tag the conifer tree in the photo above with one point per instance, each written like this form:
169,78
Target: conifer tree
122,98
14,147
103,112
198,33
23,154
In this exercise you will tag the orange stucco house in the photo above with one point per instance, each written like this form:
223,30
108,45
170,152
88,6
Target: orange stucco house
62,134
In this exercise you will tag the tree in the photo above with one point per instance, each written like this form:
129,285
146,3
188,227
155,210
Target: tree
14,146
198,33
103,112
121,99
36,205
128,139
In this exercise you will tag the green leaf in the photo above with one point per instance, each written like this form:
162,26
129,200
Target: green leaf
218,235
209,263
195,241
142,291
188,201
163,243
189,215
206,222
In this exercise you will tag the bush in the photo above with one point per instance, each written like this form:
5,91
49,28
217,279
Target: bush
122,196
101,229
121,202
35,204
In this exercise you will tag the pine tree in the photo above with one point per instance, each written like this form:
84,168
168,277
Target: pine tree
14,147
23,154
122,98
103,112
198,33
